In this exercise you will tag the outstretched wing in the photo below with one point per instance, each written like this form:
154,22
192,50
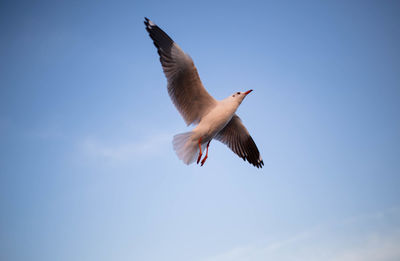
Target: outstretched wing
238,139
184,86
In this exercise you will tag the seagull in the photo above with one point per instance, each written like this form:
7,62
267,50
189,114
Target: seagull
214,119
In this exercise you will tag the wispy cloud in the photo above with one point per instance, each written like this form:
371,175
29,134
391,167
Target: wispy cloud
374,248
371,237
123,151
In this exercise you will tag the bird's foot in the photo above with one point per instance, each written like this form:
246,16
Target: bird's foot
200,153
198,159
204,160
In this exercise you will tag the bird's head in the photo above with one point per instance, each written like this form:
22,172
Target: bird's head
239,96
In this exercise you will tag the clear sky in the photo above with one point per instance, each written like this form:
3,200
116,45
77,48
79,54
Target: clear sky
87,169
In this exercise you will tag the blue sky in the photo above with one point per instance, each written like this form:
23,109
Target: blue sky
87,169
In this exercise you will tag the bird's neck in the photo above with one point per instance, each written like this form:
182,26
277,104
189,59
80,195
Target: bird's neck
230,104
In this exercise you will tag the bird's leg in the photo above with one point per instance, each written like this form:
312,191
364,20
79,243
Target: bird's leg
200,154
204,160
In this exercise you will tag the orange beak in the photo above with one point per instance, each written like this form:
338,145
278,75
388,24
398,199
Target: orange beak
249,91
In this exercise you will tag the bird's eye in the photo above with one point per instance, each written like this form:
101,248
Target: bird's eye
238,93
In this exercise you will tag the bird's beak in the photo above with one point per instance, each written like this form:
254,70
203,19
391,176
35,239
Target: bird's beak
249,91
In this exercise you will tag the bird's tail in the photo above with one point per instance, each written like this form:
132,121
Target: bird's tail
186,147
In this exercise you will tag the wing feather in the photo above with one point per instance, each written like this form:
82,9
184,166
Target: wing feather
238,139
184,85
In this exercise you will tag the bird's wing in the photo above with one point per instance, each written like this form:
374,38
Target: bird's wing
184,86
238,139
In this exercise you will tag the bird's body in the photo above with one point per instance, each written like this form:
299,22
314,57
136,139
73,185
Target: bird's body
214,119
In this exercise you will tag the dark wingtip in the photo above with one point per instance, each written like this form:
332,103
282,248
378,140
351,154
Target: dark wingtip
147,21
160,39
147,24
258,164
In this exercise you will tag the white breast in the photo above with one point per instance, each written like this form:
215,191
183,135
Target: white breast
215,120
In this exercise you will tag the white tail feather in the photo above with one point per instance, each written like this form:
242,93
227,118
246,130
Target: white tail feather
186,148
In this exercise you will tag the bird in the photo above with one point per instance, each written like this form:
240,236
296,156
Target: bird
214,119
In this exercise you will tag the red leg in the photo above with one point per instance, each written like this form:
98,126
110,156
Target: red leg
200,154
204,160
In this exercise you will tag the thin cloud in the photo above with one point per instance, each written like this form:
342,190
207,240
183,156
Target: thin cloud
369,237
124,151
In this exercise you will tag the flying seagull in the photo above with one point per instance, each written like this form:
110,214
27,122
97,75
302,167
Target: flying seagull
214,119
